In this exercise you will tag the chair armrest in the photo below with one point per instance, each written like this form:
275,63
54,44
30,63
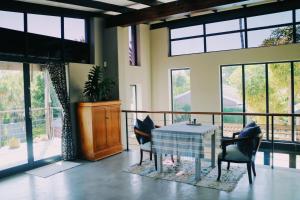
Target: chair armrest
142,134
235,134
226,142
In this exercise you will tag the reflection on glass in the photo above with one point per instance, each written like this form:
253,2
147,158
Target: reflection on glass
270,37
12,20
230,25
255,94
232,99
297,98
13,144
225,42
280,98
46,115
188,46
74,29
44,25
186,31
181,93
270,19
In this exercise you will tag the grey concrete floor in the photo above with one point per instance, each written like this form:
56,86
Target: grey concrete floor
105,180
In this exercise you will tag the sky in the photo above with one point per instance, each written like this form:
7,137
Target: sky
44,25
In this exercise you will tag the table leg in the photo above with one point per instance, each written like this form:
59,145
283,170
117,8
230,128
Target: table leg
213,149
159,163
197,169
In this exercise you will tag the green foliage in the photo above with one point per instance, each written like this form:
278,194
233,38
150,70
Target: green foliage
181,82
38,91
98,88
92,85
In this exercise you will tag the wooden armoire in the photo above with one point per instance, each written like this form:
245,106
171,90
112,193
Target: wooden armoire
99,125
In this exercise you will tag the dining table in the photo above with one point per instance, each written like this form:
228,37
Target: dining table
186,140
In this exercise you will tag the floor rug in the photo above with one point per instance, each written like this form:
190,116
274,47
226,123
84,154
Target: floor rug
184,172
52,169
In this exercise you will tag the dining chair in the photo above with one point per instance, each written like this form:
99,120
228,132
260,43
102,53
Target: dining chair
240,150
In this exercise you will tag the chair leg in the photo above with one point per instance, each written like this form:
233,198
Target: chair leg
155,161
172,158
141,156
249,172
253,168
219,169
228,165
150,155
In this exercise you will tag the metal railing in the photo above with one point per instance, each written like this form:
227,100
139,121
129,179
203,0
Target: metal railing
12,122
269,144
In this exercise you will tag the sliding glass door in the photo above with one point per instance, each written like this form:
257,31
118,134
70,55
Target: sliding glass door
13,140
30,116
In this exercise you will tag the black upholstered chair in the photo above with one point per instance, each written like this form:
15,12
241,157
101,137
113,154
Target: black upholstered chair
231,153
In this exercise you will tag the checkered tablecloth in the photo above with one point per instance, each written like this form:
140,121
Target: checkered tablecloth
182,139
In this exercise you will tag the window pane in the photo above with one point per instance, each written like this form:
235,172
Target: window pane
270,19
280,98
270,37
74,29
255,94
297,98
12,20
186,31
189,46
225,42
230,25
298,15
44,25
181,93
232,98
13,143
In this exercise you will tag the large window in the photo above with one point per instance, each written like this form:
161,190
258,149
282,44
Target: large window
44,25
257,31
262,88
12,20
181,93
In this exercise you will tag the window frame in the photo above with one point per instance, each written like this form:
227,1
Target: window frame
244,30
292,89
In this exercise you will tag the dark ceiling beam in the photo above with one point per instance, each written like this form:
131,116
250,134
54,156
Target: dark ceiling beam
18,6
231,14
148,2
164,10
96,5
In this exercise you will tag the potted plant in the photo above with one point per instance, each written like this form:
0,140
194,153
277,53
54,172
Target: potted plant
97,88
99,117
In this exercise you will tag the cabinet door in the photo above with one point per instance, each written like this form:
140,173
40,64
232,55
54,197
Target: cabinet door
113,125
99,128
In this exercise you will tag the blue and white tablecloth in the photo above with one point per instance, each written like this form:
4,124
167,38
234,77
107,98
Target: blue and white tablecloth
182,139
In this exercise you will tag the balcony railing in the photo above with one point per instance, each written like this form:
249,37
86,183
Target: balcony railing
279,138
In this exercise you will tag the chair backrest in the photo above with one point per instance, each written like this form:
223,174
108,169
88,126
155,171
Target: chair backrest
257,140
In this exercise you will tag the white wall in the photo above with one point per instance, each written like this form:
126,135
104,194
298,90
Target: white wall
205,70
138,75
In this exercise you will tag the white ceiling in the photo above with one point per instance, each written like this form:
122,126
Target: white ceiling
61,5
